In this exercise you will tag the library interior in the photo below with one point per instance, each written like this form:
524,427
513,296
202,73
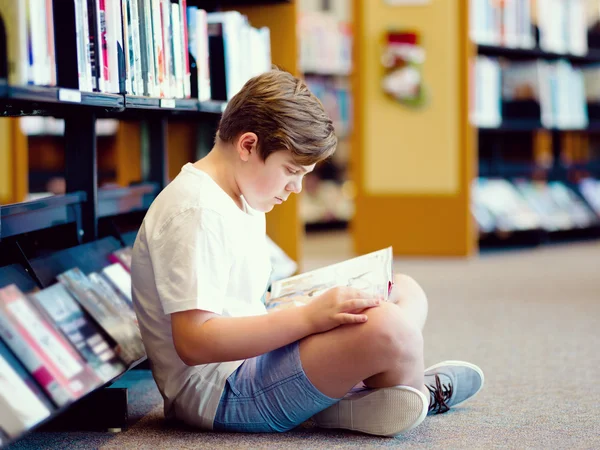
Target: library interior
467,158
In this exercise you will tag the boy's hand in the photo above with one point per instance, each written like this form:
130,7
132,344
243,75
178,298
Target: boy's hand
338,306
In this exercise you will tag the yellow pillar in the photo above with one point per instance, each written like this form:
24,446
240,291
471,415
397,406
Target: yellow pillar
413,167
14,167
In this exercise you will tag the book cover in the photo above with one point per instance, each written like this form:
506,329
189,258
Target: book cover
371,273
48,356
22,404
83,333
117,326
122,256
120,279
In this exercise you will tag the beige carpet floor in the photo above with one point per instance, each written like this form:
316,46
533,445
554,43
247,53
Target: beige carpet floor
529,318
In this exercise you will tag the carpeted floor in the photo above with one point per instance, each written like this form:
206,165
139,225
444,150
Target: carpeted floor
530,319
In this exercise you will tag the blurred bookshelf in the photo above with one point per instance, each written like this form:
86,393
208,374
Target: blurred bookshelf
325,62
533,100
89,135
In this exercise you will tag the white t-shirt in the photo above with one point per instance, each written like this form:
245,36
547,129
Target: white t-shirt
196,249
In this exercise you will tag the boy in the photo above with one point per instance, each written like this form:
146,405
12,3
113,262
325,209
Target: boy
200,268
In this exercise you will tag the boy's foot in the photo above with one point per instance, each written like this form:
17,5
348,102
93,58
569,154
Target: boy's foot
450,383
382,412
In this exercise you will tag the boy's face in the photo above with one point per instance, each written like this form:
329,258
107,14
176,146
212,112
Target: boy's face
265,184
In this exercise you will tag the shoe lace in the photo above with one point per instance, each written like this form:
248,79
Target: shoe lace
440,394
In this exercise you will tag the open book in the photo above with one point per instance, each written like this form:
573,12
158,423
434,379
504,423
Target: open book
371,273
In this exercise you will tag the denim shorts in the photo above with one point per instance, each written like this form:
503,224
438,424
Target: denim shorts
269,393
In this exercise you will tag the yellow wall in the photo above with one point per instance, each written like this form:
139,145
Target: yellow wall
413,168
412,151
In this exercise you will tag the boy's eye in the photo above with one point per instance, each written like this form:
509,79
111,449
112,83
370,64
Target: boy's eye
291,171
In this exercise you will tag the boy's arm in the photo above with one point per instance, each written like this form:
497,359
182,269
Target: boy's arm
202,337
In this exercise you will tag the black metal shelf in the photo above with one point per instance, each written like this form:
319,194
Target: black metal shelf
112,202
212,106
138,102
533,125
593,56
40,214
55,101
42,100
59,411
514,126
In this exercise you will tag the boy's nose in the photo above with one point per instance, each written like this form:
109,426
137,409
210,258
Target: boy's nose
296,188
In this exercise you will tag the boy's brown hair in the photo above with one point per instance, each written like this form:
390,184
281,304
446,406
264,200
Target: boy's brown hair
280,109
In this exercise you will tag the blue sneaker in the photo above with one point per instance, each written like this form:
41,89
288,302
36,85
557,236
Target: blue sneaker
450,383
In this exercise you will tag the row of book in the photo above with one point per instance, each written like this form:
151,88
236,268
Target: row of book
563,26
156,48
325,44
336,96
561,90
500,205
62,342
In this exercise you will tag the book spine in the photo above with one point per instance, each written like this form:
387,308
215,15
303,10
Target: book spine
50,43
203,57
137,47
126,47
184,46
177,51
159,56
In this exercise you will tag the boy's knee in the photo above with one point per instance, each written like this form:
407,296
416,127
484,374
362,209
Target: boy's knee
392,334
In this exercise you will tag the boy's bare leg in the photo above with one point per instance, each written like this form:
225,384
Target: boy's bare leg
407,294
412,301
385,351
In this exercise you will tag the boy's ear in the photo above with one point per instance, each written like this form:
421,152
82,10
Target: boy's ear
247,145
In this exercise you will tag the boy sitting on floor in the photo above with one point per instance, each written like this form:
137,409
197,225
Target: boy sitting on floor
200,269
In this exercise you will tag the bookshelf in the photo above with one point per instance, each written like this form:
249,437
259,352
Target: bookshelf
535,112
327,202
43,237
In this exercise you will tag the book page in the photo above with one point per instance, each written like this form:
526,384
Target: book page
370,273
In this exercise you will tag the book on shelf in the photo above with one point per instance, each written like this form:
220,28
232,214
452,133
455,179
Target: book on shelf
509,209
562,26
122,256
138,47
83,333
46,354
539,196
22,403
29,29
371,273
485,92
118,301
120,279
557,87
590,190
105,312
